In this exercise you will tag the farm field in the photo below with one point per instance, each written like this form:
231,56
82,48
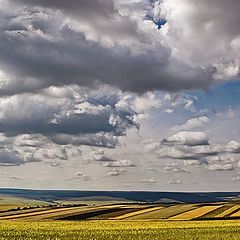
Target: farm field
164,213
115,229
184,212
124,221
9,202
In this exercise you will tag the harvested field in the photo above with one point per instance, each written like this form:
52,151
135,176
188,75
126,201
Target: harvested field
194,214
40,212
128,215
124,212
17,212
89,214
236,214
216,212
164,213
113,215
6,207
228,212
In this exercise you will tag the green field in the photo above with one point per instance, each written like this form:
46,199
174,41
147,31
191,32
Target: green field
77,230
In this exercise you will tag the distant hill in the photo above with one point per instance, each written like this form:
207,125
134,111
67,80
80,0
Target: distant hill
139,196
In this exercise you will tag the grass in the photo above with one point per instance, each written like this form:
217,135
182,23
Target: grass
18,201
117,230
13,203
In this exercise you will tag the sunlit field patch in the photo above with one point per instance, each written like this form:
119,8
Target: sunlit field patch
236,214
196,213
128,215
101,230
228,211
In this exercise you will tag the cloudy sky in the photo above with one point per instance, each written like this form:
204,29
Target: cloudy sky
120,94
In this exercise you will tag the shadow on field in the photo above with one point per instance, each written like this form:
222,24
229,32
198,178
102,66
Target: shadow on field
95,213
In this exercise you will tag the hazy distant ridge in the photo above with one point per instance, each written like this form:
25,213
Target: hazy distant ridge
54,195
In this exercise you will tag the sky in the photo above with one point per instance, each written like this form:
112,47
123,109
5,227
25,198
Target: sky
120,95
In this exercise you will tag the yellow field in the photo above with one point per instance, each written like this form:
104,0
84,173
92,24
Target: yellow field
164,213
5,207
137,222
196,213
228,211
236,214
120,230
126,212
56,213
136,213
40,212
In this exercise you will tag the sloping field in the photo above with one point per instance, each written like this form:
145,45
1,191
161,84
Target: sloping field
9,200
7,204
73,213
78,213
196,213
228,212
127,212
6,207
235,214
42,213
113,215
164,213
217,211
17,212
136,213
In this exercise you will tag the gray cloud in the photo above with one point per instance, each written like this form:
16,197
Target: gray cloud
192,123
188,152
149,180
51,125
204,26
120,163
188,138
174,169
10,158
99,156
219,167
113,173
190,147
46,43
233,147
77,121
195,162
28,148
71,51
27,140
175,181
